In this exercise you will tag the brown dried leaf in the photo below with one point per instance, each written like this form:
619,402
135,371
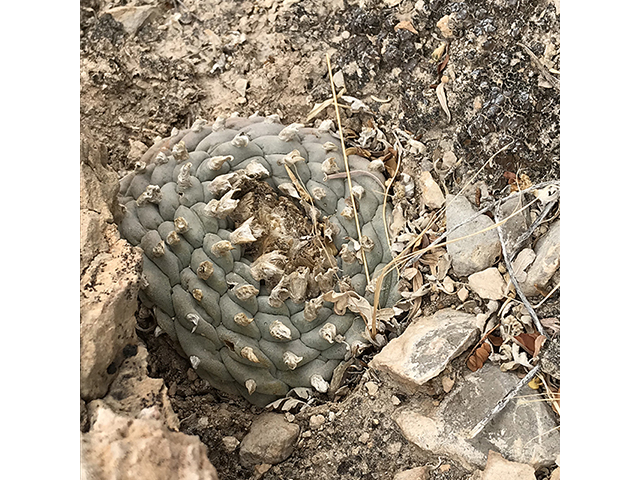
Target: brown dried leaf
510,176
539,342
405,25
527,341
358,151
477,358
443,64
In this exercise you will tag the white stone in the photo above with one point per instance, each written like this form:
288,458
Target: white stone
488,284
425,348
432,195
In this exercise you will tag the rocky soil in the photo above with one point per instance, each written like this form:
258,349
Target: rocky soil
468,94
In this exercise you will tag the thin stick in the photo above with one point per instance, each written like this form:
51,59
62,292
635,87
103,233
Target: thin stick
512,277
548,295
386,196
503,403
346,168
522,238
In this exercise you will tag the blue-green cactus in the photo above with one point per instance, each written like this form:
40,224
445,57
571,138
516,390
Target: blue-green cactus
235,270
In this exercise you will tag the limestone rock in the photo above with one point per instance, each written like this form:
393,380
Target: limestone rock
525,431
477,252
270,440
418,473
132,390
425,348
500,469
488,284
432,196
546,263
98,182
107,307
109,274
141,448
516,225
98,199
133,18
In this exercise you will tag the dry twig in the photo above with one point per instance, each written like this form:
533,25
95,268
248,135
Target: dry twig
346,168
503,403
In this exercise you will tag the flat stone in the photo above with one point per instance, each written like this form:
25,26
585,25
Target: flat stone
133,18
546,263
418,473
271,440
141,448
525,431
500,469
476,252
425,348
513,228
488,284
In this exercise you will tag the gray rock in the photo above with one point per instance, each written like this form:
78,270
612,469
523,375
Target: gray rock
425,348
525,431
546,263
270,440
476,252
518,224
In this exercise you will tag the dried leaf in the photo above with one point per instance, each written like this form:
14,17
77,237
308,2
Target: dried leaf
442,98
510,176
357,304
406,25
535,383
538,344
527,341
479,356
443,64
551,323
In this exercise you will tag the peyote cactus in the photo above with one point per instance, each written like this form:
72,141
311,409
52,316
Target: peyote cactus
245,224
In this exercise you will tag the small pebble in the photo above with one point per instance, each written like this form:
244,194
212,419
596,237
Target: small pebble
289,417
203,422
447,283
230,443
192,375
395,401
316,421
364,438
306,434
463,294
372,388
